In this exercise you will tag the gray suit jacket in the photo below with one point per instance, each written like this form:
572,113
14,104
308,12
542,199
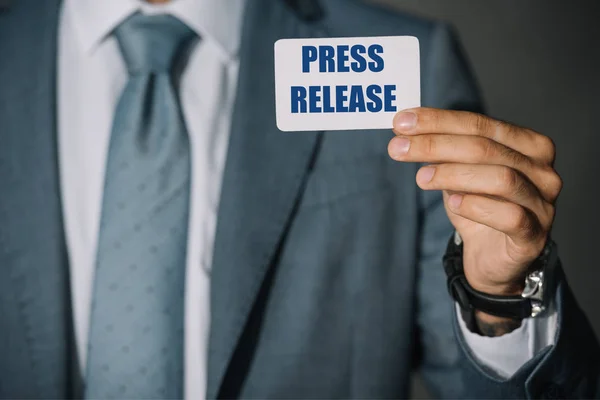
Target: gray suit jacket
327,278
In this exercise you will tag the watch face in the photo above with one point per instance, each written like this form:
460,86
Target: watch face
534,285
539,284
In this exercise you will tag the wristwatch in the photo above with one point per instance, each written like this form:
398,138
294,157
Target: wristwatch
539,285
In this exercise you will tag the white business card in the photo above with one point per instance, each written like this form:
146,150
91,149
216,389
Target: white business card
345,83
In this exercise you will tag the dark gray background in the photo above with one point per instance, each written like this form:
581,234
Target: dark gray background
538,64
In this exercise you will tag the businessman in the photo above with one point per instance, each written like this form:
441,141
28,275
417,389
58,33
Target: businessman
160,238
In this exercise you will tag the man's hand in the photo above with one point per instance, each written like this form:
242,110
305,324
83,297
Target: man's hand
499,188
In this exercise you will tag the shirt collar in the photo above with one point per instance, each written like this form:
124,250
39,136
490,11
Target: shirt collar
216,20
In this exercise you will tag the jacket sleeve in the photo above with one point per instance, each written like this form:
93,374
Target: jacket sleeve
568,369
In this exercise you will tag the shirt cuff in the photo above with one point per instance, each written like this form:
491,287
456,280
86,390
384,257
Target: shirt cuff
505,354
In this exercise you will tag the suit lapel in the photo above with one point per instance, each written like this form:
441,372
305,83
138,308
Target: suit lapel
33,268
263,180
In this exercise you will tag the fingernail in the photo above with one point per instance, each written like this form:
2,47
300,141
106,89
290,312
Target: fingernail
399,146
425,174
405,121
455,201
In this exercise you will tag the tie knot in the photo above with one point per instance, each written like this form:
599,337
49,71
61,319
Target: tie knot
152,43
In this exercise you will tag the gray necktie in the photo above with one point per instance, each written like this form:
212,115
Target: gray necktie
136,326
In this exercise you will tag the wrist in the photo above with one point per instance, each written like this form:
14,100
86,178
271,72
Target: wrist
488,290
493,276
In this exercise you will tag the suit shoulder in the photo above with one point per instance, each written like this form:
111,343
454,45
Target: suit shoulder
357,18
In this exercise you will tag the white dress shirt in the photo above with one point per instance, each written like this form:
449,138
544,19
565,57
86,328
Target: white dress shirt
91,76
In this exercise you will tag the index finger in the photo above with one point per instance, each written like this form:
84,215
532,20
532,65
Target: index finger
418,121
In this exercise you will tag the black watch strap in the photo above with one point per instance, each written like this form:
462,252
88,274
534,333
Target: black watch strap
469,299
515,307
